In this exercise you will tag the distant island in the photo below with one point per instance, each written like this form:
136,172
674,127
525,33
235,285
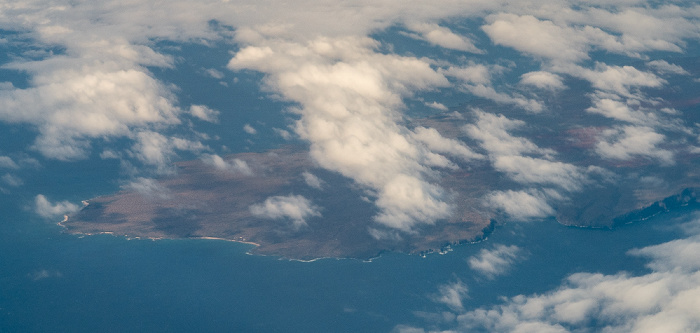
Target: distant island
204,201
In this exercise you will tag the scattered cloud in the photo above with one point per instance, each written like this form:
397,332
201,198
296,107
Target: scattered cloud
312,180
149,188
234,165
157,150
349,98
72,103
47,209
436,105
7,163
493,133
348,90
543,80
508,154
622,111
541,38
204,113
663,67
292,207
617,79
666,299
452,295
217,74
442,36
249,129
476,79
495,261
283,133
437,143
12,180
628,142
520,205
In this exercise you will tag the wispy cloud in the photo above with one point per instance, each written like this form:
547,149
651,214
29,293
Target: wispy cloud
442,36
313,181
7,163
292,207
452,295
495,261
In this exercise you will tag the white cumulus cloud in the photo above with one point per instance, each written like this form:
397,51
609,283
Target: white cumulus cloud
443,37
48,209
350,97
543,80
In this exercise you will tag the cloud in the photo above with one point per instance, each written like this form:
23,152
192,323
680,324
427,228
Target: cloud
47,209
564,35
437,106
542,38
235,165
520,205
7,163
666,299
293,207
617,79
507,155
619,110
204,113
476,79
452,295
627,142
349,98
217,74
12,180
496,261
72,103
663,67
529,170
148,187
543,80
312,180
249,129
442,36
475,74
493,133
437,143
155,149
283,133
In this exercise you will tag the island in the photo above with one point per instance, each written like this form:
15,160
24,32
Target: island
213,199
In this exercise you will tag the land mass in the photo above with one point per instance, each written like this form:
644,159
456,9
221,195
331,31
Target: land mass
213,199
203,201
